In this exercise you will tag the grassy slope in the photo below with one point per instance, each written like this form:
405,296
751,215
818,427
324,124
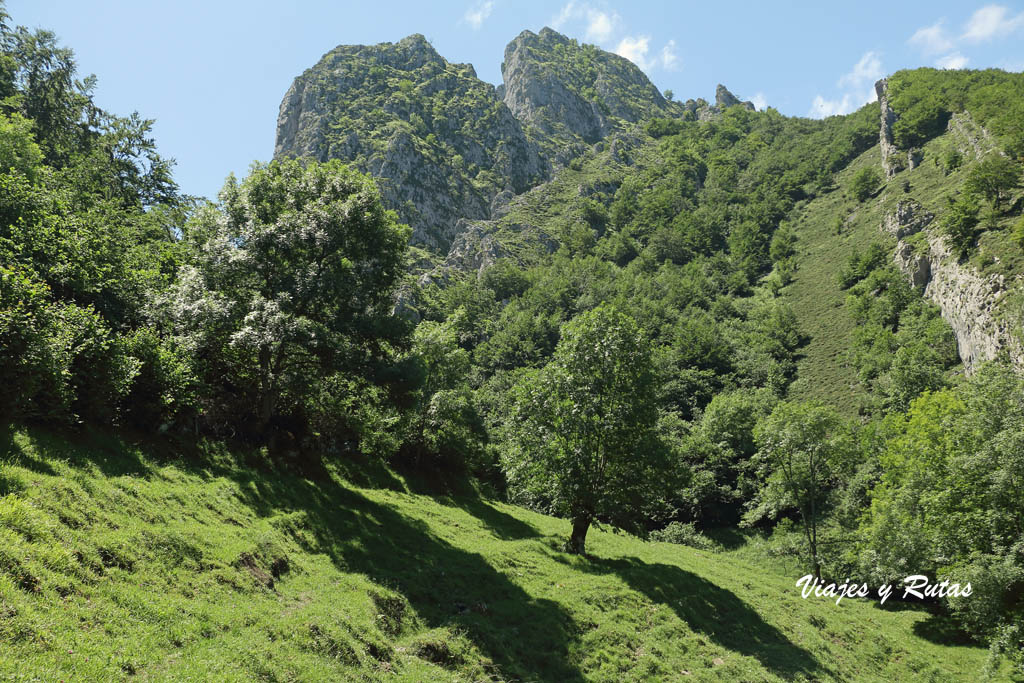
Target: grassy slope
815,295
116,560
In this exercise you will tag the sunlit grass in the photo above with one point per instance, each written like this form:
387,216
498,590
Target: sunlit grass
121,561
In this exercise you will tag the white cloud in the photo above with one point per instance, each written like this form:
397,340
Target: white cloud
821,107
635,50
478,13
991,21
952,61
563,16
669,58
932,39
865,72
859,87
601,25
760,101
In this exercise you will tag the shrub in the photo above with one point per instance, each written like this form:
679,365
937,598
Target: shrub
993,178
958,224
684,533
859,265
864,182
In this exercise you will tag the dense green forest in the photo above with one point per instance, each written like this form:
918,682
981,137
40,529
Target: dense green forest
632,360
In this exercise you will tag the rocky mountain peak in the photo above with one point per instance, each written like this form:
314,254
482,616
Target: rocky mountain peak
725,99
573,93
440,141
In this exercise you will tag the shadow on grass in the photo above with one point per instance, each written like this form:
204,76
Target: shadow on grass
501,524
942,630
525,638
715,612
37,449
938,627
729,537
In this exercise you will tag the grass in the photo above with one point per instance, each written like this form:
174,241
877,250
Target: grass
815,295
121,560
823,372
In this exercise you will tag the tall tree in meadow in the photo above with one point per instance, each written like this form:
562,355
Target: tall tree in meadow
294,278
802,450
582,434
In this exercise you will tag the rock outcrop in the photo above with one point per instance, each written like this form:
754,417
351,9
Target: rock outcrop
702,111
971,139
968,301
571,93
473,251
891,162
725,99
909,218
451,153
440,141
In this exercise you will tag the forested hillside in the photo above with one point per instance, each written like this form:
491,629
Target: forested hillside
462,360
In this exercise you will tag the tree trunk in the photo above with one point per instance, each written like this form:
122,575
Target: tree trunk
578,539
812,545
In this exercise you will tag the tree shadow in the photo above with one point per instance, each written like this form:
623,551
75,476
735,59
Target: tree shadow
525,638
941,629
938,627
715,612
111,455
729,537
501,524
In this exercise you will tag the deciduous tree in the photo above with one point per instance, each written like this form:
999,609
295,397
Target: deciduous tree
582,439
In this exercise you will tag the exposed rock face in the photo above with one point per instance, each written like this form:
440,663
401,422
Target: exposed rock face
971,138
473,251
917,267
569,92
450,153
439,139
909,218
891,162
914,158
969,302
725,99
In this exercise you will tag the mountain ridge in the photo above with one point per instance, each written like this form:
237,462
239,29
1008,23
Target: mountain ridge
446,146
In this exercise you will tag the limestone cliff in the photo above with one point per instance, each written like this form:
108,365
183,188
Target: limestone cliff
891,162
968,302
441,142
571,95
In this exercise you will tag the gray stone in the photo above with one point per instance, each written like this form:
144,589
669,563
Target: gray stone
431,191
908,218
564,103
891,163
967,301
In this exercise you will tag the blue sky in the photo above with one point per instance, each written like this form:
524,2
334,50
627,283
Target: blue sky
212,73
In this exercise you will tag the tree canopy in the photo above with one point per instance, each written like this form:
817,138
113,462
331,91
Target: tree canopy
582,437
292,281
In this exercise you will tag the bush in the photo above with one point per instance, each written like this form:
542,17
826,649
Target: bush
859,265
28,364
951,160
993,178
958,224
1018,231
686,534
919,124
864,182
165,388
505,279
997,584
